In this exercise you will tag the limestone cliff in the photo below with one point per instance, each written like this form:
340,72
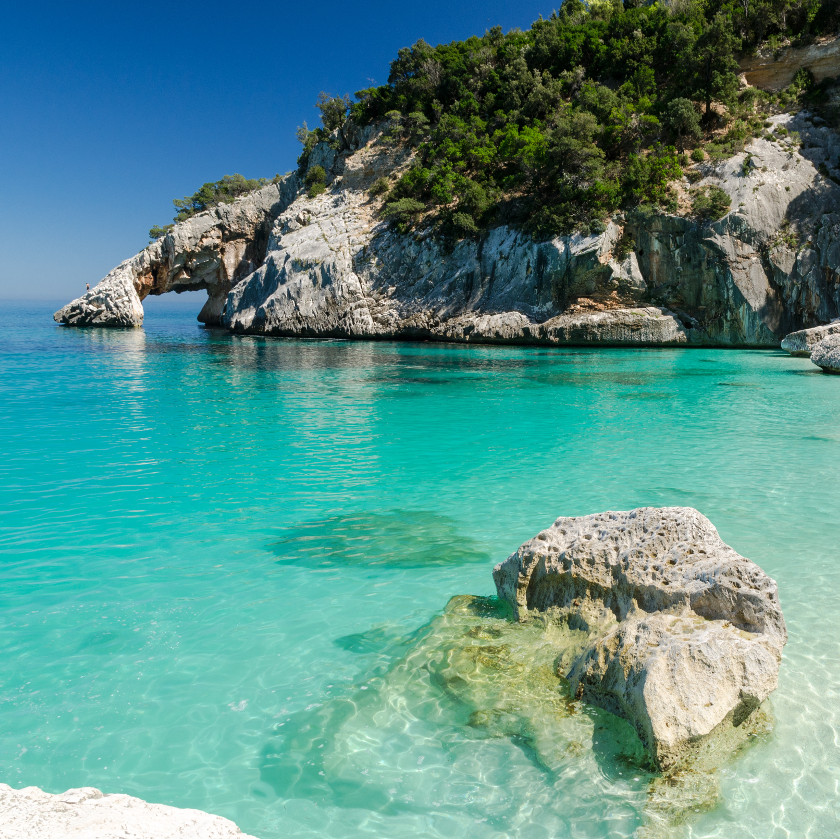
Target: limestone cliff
277,262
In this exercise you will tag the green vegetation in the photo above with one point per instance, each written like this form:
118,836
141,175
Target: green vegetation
224,191
379,187
554,128
709,203
316,181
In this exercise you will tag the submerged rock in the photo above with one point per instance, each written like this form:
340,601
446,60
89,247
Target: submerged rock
32,813
826,353
802,342
683,635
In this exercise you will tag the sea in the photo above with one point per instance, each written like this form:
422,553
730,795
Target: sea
226,561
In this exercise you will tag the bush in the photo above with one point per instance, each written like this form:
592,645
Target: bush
225,190
710,203
333,110
464,224
698,155
316,181
379,187
683,121
156,231
402,212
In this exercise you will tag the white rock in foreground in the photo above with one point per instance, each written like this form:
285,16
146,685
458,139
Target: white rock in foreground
826,354
32,813
802,342
679,634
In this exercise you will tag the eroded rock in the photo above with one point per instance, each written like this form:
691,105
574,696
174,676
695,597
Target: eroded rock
112,303
826,353
683,635
33,814
802,342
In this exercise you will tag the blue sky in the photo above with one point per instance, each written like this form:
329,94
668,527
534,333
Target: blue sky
111,110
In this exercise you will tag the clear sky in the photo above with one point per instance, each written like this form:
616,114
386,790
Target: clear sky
111,110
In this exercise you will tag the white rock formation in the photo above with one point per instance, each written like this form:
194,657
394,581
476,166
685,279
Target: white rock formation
280,263
802,342
33,814
679,634
826,354
113,302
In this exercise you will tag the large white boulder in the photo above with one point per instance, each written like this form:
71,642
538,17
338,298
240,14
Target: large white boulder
680,635
826,353
802,342
33,814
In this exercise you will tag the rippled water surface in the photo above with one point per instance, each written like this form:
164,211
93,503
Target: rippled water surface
225,562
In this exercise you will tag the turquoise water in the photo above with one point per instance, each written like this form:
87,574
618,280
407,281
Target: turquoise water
219,555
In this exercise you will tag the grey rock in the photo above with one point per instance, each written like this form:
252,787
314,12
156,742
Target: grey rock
681,635
774,71
277,262
802,342
112,303
826,354
33,814
212,250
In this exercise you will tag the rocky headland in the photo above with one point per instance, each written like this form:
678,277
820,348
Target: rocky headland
277,262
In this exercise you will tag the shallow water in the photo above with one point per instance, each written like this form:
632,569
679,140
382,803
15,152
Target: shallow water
222,558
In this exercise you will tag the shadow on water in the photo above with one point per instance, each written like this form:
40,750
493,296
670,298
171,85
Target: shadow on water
470,691
394,538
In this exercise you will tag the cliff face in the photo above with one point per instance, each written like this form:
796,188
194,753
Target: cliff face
279,263
775,71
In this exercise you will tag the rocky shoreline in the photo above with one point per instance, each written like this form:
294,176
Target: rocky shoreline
277,262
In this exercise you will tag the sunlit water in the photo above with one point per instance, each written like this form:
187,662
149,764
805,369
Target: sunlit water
221,557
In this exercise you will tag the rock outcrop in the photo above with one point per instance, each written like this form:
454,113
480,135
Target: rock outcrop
802,342
826,354
278,262
774,70
677,632
33,814
213,250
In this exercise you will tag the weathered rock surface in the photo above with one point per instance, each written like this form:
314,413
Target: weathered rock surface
802,342
826,354
680,634
774,71
31,813
280,263
112,303
212,250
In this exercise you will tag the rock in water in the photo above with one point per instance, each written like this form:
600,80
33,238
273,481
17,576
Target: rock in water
684,636
826,354
112,303
32,813
802,342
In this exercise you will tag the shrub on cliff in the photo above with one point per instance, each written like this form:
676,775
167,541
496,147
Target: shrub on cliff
379,187
156,231
333,110
710,203
316,181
